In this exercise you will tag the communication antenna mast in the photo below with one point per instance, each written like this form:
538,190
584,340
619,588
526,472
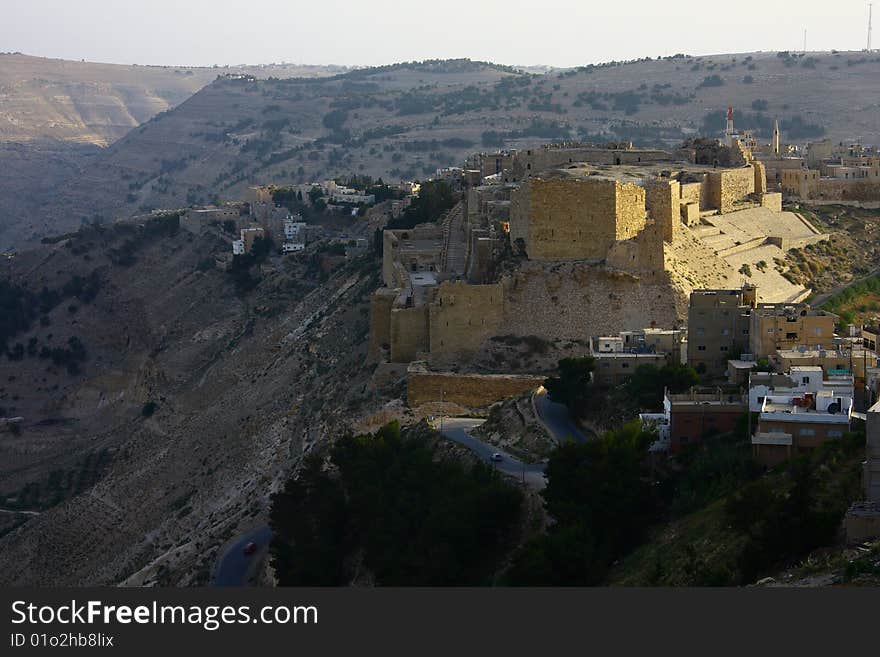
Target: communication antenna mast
870,11
805,40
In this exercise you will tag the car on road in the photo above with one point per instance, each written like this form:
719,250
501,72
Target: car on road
497,457
250,548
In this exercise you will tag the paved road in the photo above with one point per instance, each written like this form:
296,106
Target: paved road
556,418
23,513
458,429
234,567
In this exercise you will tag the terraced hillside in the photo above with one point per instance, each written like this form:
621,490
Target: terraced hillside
56,115
404,121
90,103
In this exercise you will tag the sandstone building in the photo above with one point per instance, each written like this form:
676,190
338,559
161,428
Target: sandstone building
605,239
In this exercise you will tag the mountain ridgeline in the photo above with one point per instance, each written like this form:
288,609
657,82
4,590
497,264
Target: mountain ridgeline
406,120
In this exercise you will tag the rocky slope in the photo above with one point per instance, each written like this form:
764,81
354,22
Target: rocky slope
193,401
45,99
56,114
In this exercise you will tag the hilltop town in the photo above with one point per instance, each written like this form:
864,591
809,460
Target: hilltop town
680,298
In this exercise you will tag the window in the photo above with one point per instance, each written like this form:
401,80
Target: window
807,432
701,347
725,331
791,336
625,365
700,331
745,331
835,433
724,347
805,380
770,330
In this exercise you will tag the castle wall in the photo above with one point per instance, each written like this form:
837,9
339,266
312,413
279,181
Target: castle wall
629,214
575,219
772,200
691,193
663,204
575,301
847,190
461,317
408,333
760,177
690,214
468,390
389,249
380,322
533,161
728,186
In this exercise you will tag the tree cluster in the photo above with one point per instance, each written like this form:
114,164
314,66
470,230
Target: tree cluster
386,505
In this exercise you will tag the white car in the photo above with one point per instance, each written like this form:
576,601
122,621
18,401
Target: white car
497,457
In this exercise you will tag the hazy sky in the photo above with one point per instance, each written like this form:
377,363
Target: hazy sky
557,32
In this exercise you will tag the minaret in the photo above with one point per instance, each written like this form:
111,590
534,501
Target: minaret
728,133
775,137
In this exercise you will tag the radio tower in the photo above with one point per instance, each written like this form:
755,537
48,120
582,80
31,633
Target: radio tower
870,11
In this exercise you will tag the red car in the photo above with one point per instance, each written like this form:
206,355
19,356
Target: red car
250,548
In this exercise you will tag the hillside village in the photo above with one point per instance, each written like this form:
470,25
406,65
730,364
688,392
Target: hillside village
470,288
631,257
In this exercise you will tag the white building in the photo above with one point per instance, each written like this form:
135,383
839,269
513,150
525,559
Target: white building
799,380
238,247
293,228
351,196
292,247
659,422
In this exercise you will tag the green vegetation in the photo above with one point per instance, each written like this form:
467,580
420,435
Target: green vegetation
601,501
855,301
648,382
240,271
550,130
387,505
20,307
435,197
793,127
164,225
61,483
713,80
737,528
572,386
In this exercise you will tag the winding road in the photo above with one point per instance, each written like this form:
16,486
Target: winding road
458,430
234,567
555,418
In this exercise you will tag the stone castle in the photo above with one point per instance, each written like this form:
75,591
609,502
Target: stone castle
573,241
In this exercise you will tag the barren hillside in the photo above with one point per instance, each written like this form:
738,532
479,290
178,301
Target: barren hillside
406,120
147,446
86,102
56,115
